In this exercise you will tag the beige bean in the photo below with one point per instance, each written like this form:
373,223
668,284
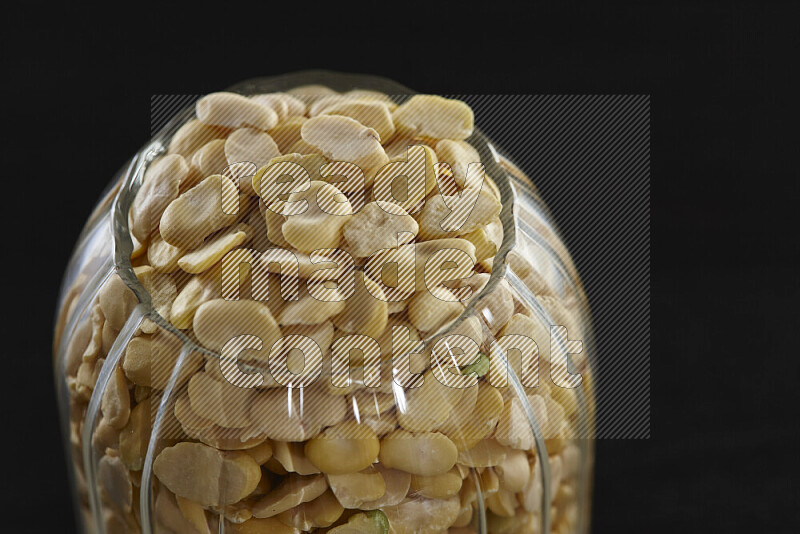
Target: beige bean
399,144
321,333
496,307
210,158
407,178
250,145
162,291
437,486
458,155
370,403
234,111
534,329
116,400
222,403
365,312
464,518
424,453
272,172
449,215
531,497
167,514
192,136
429,405
293,491
487,239
198,213
287,133
397,484
431,310
344,448
310,311
213,250
426,258
383,425
486,453
320,225
514,471
473,422
114,482
376,227
490,482
163,256
135,436
159,188
292,457
261,454
344,139
117,302
322,512
373,115
513,428
205,475
194,514
226,439
502,503
435,117
284,105
325,102
198,290
218,321
270,413
352,490
423,515
187,417
296,414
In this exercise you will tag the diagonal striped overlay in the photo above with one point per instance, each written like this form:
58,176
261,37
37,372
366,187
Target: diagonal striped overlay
589,157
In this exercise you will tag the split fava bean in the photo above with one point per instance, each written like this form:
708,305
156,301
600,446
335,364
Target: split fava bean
231,110
320,513
214,249
437,486
192,136
287,134
423,515
205,475
352,490
344,139
160,187
373,115
344,448
199,212
434,116
378,226
293,491
424,453
320,225
218,321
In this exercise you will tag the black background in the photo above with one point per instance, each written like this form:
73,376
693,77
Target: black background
724,432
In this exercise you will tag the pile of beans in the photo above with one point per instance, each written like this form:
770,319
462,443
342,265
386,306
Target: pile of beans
326,458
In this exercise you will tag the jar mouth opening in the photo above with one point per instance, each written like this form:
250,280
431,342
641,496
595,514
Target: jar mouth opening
123,245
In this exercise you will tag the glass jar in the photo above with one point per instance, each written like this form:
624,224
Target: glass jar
157,441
